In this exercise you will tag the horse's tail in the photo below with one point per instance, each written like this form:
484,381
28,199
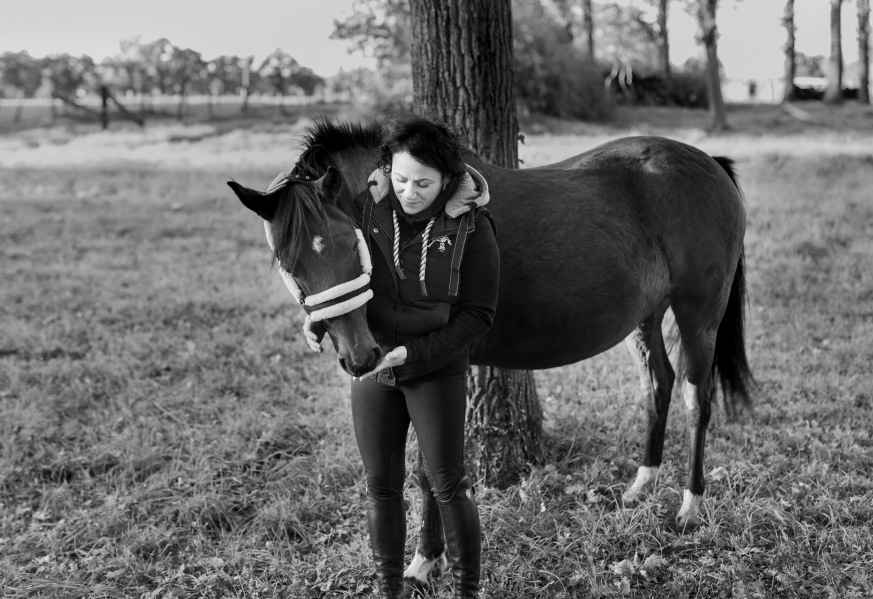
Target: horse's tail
730,364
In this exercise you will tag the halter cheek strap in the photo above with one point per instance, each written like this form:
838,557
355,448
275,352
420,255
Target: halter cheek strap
339,299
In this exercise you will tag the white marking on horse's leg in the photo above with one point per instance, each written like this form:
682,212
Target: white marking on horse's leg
689,514
318,244
420,567
647,478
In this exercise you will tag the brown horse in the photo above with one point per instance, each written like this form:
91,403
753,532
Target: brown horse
593,250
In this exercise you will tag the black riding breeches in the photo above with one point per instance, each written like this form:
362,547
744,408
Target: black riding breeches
382,414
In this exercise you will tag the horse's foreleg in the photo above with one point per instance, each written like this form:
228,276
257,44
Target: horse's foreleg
646,345
430,553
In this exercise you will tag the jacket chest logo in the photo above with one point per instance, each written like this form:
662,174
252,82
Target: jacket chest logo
442,241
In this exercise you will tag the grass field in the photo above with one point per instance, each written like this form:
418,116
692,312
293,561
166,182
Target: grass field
165,433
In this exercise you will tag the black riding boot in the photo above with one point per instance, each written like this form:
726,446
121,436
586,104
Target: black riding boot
463,540
386,519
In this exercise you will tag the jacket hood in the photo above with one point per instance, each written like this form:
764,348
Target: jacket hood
472,191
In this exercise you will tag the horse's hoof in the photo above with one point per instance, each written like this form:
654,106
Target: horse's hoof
684,526
688,518
414,589
647,476
420,570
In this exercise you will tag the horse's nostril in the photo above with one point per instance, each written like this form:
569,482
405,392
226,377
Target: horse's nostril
342,363
378,352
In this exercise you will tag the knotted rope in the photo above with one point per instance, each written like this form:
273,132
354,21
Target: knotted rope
397,246
424,238
423,267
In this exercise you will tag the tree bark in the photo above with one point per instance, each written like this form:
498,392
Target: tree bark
664,46
834,93
790,61
588,22
462,73
709,37
864,50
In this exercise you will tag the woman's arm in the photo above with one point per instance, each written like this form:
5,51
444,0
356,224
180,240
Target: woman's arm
480,280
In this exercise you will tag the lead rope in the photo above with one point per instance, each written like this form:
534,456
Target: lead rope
423,268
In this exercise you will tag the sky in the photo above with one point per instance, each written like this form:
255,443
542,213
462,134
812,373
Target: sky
749,46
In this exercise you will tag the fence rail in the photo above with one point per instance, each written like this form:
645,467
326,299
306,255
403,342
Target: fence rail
194,100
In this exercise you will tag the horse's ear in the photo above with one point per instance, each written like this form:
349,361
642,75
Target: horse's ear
261,203
330,185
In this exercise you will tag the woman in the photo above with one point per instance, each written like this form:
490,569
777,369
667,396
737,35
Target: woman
435,279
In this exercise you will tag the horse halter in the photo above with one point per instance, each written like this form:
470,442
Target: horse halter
339,299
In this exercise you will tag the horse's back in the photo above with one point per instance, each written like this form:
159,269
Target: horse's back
590,245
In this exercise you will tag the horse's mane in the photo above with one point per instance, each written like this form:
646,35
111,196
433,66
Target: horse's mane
291,230
325,137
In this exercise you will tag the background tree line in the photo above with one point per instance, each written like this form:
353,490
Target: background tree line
573,59
154,68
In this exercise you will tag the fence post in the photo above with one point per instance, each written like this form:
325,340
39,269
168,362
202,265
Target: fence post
104,110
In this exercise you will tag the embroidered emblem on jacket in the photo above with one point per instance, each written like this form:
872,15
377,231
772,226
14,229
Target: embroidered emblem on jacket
442,241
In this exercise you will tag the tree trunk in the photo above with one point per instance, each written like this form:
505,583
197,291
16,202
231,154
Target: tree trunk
104,107
462,73
244,84
664,46
180,107
834,93
864,50
709,37
18,109
790,62
588,22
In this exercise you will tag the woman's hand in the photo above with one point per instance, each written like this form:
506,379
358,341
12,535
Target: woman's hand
396,357
314,333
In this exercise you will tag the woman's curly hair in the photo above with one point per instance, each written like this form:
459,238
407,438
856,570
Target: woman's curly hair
427,140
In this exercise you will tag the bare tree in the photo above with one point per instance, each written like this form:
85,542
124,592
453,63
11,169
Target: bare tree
790,60
664,43
588,23
709,37
834,93
864,50
463,71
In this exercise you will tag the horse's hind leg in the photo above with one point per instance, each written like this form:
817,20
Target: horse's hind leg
698,343
430,554
646,345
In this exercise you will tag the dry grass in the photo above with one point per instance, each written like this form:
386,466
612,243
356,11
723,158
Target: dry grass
164,433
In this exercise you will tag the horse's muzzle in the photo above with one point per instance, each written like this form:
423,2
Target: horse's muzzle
357,368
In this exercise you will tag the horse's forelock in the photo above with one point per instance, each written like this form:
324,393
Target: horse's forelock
291,223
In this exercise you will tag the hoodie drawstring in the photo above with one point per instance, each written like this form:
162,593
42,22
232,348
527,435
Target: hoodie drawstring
423,267
397,247
424,239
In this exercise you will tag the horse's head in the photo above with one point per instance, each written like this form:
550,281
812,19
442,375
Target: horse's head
322,258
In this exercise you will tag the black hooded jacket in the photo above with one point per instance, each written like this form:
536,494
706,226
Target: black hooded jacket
462,275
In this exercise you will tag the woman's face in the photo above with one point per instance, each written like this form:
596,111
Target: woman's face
416,185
